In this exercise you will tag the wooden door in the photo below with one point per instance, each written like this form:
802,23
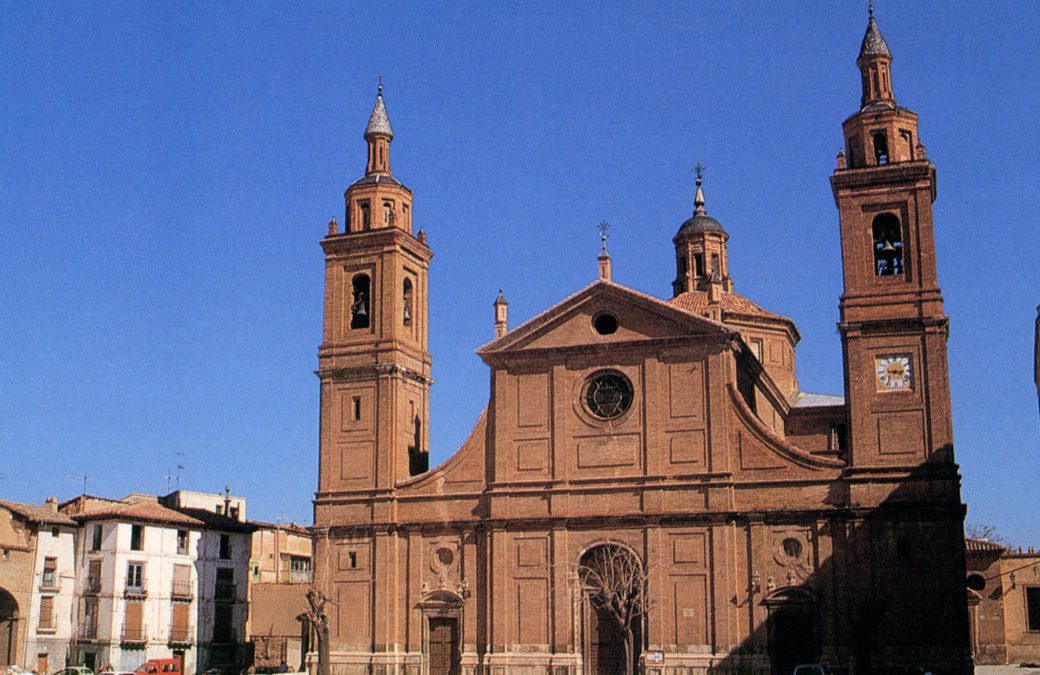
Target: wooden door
443,649
41,664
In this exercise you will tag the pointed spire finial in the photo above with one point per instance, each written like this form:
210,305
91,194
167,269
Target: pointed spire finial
379,89
870,8
379,121
698,197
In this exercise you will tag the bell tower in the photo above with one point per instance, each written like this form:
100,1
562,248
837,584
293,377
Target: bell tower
892,325
374,362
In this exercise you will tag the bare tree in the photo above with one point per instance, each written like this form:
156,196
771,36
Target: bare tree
318,620
987,532
617,581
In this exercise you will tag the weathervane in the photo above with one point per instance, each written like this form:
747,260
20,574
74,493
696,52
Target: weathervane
699,170
603,227
380,84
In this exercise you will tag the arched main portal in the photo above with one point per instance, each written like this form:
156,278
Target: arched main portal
613,582
442,616
793,629
8,628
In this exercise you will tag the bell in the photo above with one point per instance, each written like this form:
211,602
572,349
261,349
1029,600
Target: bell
361,309
888,248
407,313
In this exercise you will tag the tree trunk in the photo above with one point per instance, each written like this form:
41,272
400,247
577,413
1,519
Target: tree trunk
627,670
321,634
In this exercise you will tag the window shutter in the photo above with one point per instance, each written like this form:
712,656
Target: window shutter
47,611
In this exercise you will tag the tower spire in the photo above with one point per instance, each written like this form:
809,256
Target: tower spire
698,197
874,63
378,134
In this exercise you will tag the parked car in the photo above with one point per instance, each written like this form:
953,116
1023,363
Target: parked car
117,672
811,669
160,666
15,670
75,670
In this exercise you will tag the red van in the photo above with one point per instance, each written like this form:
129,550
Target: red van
160,666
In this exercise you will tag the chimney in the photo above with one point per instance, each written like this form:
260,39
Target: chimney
51,503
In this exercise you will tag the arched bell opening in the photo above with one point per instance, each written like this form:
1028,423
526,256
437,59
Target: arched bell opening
613,585
793,625
361,302
888,245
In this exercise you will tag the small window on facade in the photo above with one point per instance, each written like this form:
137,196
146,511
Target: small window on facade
136,537
366,217
406,293
234,512
135,577
6,554
55,532
47,612
680,264
715,269
605,323
352,556
50,573
1033,607
888,245
357,408
95,543
880,148
698,265
182,542
361,306
225,547
388,214
756,348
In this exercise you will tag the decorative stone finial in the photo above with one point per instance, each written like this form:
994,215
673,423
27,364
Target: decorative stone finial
698,197
333,226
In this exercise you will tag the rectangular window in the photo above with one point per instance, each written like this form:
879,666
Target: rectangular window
225,584
135,577
1033,607
299,569
179,630
225,547
47,612
133,627
94,577
756,349
137,537
90,618
182,581
222,615
357,408
366,219
95,542
50,573
182,542
698,265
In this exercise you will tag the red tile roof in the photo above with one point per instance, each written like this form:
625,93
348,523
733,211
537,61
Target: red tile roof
38,514
981,545
134,507
697,302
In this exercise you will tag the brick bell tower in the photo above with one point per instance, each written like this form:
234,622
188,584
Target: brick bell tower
892,324
374,362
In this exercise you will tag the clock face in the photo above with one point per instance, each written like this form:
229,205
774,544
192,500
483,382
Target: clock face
893,372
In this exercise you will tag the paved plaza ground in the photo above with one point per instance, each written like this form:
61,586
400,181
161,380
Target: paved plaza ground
1005,670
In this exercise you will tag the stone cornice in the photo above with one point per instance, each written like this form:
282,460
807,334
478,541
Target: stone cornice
377,370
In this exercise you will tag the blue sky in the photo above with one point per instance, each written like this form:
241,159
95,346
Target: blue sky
167,171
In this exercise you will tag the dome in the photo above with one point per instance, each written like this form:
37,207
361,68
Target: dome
700,222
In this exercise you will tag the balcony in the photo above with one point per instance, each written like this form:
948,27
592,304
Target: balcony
181,590
134,635
87,632
299,576
182,635
136,591
92,586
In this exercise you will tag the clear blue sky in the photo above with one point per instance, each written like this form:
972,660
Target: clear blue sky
168,169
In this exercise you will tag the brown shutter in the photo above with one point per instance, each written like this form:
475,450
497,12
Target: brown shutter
94,577
182,581
179,629
132,620
47,611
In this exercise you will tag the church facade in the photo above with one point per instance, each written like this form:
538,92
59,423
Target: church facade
657,446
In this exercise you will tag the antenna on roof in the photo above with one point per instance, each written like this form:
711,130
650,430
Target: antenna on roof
180,468
84,478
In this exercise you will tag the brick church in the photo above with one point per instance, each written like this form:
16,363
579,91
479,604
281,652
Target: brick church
648,488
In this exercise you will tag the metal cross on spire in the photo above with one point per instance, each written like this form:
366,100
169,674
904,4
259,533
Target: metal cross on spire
603,227
699,170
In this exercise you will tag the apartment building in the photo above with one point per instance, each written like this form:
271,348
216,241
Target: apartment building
279,576
37,585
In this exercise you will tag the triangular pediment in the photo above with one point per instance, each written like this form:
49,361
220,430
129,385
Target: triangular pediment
573,322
